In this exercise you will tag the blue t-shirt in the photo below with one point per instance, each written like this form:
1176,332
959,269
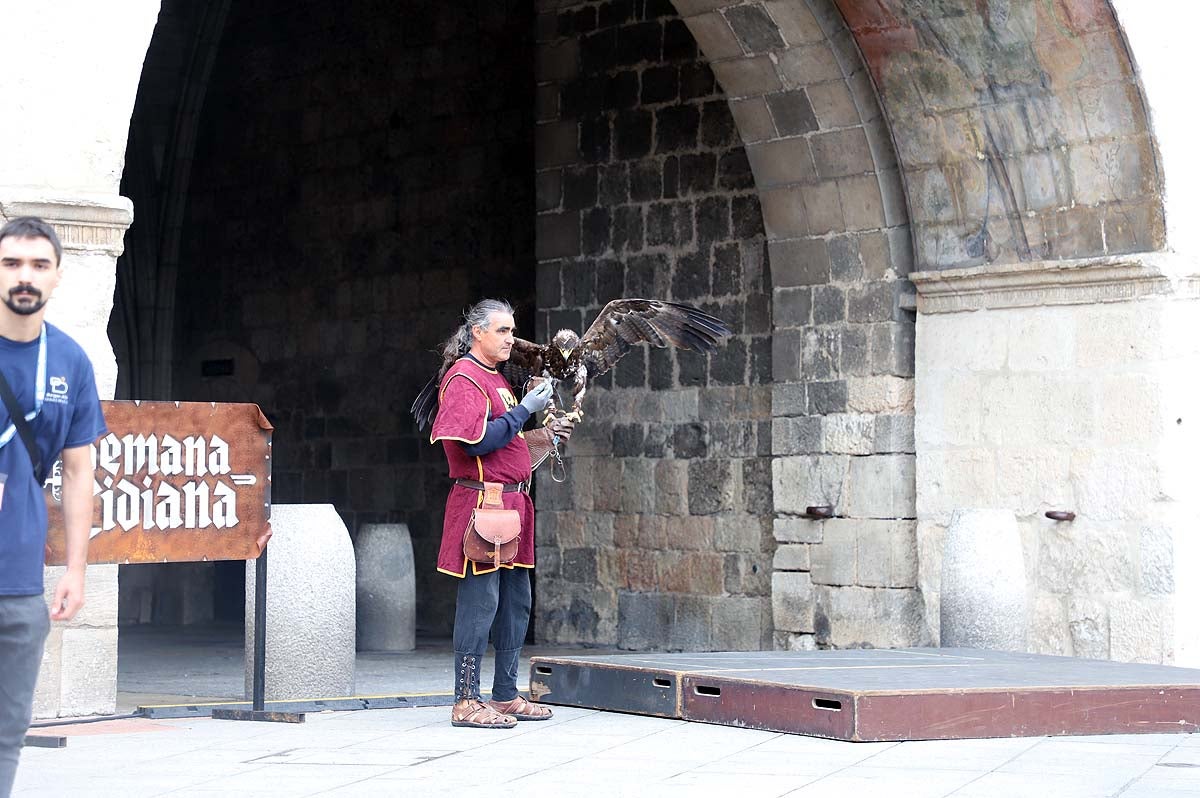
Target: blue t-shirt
70,417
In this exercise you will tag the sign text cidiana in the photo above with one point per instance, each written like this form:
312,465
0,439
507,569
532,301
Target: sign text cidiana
151,482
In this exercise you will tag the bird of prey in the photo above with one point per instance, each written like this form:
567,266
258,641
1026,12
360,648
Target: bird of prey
574,358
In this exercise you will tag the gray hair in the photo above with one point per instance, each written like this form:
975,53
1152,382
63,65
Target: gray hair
478,315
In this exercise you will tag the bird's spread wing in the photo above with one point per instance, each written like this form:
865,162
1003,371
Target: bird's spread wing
524,361
624,323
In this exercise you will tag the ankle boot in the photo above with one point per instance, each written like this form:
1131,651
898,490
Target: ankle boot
466,677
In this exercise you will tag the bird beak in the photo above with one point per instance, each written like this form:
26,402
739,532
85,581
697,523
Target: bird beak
566,353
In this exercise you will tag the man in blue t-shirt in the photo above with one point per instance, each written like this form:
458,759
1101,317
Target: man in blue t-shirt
55,390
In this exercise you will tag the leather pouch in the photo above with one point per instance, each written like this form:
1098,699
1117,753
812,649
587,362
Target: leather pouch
493,533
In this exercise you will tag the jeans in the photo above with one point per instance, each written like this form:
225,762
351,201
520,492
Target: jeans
24,624
499,603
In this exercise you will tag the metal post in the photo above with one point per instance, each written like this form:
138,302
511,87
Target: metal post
260,631
259,685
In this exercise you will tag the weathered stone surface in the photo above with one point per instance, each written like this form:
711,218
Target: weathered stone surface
644,620
799,435
846,433
792,601
792,112
1047,619
799,482
385,595
835,560
746,76
754,121
1140,630
310,605
782,161
792,557
713,34
1087,620
886,553
88,671
894,433
983,602
737,623
879,394
851,617
798,530
692,626
1083,559
881,486
713,486
1156,560
73,678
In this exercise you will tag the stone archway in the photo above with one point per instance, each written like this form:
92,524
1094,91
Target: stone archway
836,220
1021,136
883,138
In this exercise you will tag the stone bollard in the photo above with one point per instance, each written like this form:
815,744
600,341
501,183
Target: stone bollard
310,605
983,582
386,597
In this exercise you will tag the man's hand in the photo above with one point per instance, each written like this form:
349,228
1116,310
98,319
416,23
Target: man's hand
77,519
562,427
538,397
68,596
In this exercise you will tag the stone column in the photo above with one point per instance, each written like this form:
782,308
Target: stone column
63,162
79,669
1070,385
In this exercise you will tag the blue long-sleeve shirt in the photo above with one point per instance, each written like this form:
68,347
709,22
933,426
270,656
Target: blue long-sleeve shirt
499,431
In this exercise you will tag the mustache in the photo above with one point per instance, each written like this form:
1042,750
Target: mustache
24,289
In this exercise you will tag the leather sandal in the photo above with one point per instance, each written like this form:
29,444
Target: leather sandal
522,708
477,715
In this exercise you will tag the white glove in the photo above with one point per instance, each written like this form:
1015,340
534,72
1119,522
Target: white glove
538,397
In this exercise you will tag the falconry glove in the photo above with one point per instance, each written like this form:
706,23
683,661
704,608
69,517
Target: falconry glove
538,397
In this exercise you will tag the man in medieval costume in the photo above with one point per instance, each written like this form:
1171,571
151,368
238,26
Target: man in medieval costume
479,422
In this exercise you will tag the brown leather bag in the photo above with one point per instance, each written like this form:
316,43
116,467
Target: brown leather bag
493,533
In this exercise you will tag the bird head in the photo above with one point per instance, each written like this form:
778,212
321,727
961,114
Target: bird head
565,341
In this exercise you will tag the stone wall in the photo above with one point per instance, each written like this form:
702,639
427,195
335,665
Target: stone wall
661,536
1069,387
836,221
358,179
1020,127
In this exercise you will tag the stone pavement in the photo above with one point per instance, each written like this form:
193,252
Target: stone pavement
415,752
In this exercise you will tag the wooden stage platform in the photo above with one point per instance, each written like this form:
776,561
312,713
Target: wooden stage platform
876,694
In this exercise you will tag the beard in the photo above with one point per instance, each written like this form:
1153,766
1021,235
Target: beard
32,303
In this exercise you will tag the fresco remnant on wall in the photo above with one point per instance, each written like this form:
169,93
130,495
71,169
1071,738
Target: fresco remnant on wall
1019,125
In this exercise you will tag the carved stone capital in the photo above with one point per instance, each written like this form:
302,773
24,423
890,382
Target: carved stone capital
93,223
1057,282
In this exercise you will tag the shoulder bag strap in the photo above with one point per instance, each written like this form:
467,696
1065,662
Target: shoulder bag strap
18,420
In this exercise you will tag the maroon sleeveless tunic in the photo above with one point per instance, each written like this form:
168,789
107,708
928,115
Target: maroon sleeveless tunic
469,396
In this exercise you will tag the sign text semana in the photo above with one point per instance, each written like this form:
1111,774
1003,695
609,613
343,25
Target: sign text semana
174,481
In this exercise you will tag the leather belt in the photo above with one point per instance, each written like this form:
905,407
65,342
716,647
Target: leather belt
521,487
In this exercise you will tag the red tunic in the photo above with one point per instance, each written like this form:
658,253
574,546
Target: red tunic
469,396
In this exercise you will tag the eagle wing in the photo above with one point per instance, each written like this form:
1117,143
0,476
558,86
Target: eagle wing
524,361
624,323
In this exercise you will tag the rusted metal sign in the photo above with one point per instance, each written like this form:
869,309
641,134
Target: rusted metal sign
174,482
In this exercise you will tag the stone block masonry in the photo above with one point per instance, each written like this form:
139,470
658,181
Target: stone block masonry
672,459
364,178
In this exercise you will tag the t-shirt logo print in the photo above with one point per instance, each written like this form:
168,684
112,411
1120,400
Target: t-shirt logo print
58,390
